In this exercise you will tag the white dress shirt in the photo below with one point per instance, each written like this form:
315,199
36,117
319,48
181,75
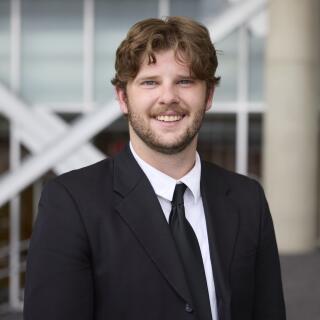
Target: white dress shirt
164,186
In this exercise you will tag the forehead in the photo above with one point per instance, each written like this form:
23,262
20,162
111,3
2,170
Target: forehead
165,60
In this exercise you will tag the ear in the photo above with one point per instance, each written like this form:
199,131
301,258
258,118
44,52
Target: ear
123,100
210,97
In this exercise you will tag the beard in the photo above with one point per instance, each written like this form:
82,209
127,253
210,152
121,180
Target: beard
155,141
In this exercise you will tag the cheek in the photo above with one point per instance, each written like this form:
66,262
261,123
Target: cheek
142,103
196,94
195,100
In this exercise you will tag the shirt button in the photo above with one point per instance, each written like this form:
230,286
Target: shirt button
188,308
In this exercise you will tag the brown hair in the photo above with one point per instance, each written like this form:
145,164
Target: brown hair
189,39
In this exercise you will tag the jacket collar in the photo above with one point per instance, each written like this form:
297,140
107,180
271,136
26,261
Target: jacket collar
139,207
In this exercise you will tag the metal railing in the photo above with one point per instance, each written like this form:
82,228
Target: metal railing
37,135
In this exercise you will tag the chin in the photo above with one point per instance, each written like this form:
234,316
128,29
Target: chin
170,147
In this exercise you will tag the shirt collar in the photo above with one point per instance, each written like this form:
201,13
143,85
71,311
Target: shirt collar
164,185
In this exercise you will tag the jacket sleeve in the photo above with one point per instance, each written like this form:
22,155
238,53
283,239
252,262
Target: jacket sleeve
59,282
268,300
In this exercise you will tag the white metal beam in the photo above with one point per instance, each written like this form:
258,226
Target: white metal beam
15,45
242,126
163,8
14,234
15,203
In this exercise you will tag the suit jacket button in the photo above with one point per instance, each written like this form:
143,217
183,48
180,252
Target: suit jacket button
188,308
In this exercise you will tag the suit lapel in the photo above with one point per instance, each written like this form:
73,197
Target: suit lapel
141,210
222,225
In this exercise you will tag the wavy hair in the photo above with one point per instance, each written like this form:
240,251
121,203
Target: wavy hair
189,39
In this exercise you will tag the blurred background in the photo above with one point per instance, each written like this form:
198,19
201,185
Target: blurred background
58,112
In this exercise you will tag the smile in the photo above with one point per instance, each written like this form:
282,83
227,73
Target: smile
169,118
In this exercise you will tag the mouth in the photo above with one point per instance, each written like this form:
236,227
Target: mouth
169,118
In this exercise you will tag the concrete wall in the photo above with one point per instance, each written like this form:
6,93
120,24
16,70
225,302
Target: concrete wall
291,122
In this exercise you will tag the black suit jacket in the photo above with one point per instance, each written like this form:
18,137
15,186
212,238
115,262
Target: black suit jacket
101,249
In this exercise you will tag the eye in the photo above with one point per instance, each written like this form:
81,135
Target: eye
185,81
148,83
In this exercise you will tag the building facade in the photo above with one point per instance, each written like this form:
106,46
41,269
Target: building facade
56,63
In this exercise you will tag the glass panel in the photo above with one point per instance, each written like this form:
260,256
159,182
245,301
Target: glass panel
255,146
52,50
201,10
113,19
5,41
217,139
227,68
256,67
204,11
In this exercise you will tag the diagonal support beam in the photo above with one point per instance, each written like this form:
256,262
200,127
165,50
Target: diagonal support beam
35,166
38,129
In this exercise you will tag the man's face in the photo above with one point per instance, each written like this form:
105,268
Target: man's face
165,104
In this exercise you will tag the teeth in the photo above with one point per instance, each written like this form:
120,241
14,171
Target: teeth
169,118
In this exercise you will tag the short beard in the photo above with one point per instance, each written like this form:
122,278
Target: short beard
151,139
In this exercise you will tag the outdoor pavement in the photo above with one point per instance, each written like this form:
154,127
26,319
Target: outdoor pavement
301,280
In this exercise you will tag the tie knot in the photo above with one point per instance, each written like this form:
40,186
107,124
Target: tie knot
178,194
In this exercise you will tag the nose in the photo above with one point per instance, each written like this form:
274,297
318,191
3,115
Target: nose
168,94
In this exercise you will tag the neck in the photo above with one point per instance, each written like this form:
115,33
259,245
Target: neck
174,165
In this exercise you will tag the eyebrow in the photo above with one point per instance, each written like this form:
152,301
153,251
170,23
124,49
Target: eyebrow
146,77
154,77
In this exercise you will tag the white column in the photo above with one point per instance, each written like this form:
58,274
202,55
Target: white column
291,121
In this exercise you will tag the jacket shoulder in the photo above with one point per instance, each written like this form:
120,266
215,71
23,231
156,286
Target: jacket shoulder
232,179
87,179
245,192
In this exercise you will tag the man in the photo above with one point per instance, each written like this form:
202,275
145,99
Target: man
156,233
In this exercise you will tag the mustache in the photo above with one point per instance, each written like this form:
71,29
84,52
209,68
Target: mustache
176,109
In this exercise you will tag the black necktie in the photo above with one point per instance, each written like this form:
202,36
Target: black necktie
190,254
